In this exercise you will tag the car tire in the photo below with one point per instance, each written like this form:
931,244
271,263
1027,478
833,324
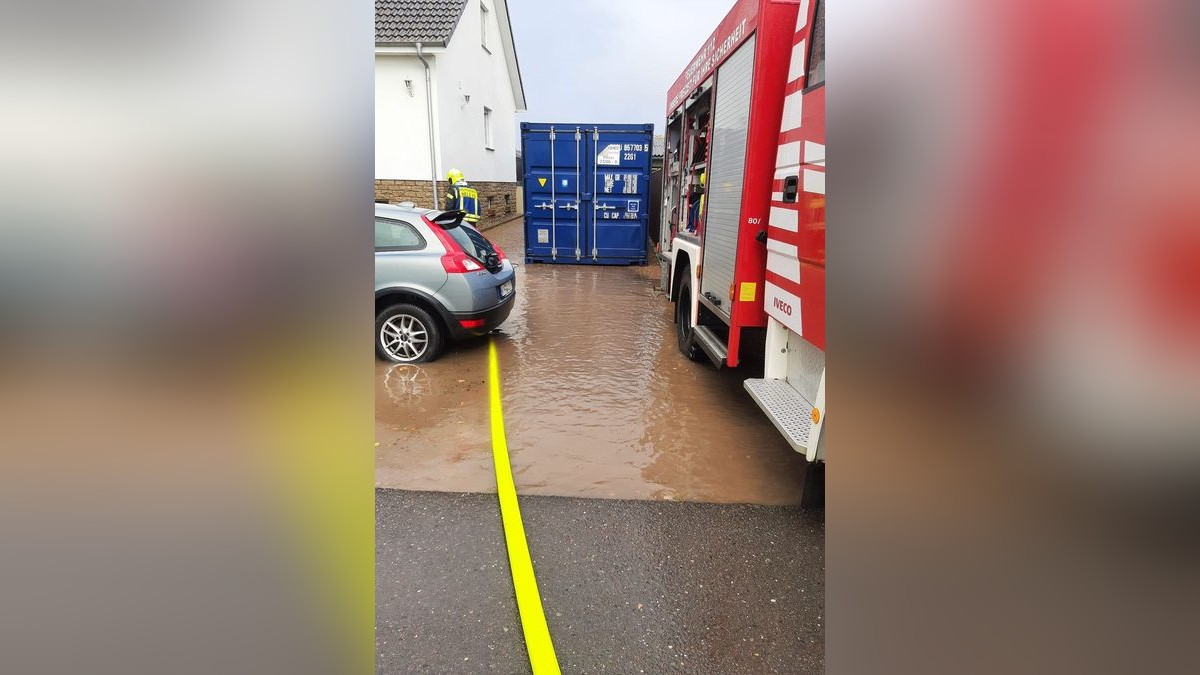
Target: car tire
407,334
683,318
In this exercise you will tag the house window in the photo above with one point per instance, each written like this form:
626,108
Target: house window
484,13
488,141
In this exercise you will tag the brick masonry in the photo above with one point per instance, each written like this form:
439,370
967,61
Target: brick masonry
497,201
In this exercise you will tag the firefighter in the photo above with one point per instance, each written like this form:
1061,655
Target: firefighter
696,198
462,197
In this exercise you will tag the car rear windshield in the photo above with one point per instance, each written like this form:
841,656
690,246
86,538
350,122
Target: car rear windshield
472,242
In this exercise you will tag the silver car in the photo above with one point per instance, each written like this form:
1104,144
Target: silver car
436,279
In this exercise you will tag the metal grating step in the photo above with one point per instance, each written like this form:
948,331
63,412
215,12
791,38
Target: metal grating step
786,409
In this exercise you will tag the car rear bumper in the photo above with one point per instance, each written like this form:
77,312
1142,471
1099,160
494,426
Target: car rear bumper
490,317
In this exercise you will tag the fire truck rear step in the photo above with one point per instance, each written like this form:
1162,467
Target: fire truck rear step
786,408
712,345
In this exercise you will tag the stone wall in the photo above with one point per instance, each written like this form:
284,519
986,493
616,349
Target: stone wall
497,201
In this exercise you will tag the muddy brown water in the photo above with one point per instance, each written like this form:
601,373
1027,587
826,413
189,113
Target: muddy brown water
598,402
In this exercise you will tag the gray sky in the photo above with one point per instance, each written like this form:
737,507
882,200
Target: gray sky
606,60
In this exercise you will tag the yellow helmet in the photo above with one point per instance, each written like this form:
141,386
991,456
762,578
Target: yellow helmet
454,176
703,178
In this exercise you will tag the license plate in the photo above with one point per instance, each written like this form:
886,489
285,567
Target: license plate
506,288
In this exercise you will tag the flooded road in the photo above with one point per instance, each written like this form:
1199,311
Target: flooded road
598,402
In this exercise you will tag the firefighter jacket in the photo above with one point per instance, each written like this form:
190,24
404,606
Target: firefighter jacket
463,197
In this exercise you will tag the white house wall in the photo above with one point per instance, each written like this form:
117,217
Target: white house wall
401,136
467,68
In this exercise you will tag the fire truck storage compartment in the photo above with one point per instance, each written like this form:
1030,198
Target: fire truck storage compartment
586,189
731,120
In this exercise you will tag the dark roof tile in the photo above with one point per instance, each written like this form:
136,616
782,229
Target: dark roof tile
407,21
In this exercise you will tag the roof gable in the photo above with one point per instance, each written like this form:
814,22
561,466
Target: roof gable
409,21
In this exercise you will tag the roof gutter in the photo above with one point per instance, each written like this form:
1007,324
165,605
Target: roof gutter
429,110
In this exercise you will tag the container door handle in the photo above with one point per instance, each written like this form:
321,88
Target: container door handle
595,189
544,205
578,166
553,200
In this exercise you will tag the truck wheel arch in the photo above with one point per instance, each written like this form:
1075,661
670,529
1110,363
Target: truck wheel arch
682,262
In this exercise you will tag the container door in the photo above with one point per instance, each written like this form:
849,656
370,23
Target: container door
620,174
555,166
731,121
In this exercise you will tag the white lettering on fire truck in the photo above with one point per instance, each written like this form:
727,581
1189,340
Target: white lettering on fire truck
706,60
784,307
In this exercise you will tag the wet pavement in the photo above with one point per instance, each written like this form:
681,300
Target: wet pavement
607,426
598,402
627,586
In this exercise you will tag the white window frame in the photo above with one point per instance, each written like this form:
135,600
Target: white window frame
484,19
489,139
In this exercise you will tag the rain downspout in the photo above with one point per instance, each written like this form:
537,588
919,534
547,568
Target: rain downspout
429,109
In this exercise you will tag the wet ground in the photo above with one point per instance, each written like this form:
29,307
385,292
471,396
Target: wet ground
607,425
598,402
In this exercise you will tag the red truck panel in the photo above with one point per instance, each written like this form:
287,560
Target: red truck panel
796,271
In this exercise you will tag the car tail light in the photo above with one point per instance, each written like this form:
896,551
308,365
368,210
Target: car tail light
499,251
470,323
456,260
460,263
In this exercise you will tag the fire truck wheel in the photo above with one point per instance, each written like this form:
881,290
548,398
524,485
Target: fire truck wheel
683,319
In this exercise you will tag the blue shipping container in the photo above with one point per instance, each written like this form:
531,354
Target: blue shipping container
587,189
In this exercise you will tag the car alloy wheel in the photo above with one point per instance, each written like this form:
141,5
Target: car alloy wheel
404,337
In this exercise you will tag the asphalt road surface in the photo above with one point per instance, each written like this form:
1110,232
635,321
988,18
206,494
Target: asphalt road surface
627,586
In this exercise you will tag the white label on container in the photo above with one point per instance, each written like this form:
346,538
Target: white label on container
610,155
632,205
543,236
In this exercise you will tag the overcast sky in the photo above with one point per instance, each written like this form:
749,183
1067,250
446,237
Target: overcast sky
608,61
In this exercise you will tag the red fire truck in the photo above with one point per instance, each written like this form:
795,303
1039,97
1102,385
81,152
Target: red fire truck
743,208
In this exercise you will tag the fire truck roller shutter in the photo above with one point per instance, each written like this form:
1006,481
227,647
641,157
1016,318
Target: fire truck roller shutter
731,120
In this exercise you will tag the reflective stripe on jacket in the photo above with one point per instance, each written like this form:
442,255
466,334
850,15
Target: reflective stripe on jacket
463,197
